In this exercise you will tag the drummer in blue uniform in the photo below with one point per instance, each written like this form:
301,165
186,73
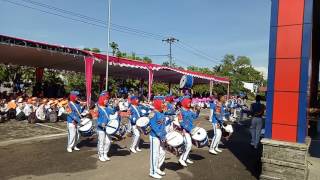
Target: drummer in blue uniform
219,112
157,138
135,114
104,140
186,118
73,119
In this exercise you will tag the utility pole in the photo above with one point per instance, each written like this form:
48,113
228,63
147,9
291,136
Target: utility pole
108,43
170,40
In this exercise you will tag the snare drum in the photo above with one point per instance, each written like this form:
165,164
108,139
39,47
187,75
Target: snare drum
174,142
199,137
144,125
112,126
86,127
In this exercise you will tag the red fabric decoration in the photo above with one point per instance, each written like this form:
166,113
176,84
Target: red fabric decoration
186,103
135,102
169,98
101,100
73,97
158,104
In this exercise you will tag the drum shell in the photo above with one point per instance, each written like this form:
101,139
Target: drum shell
200,144
146,129
186,82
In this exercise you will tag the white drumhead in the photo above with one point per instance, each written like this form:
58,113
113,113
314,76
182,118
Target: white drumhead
112,126
142,122
199,134
86,124
114,116
174,139
40,113
183,81
228,128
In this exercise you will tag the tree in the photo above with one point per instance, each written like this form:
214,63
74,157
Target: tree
87,49
238,69
96,50
115,48
146,59
174,65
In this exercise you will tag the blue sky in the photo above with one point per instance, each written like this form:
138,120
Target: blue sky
216,27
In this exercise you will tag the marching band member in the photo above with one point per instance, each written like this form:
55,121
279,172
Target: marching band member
73,118
186,122
104,141
217,119
157,138
135,110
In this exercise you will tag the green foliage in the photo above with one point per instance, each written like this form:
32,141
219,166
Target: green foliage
174,65
160,88
115,48
238,69
96,50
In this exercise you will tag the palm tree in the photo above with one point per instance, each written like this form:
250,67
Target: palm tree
115,48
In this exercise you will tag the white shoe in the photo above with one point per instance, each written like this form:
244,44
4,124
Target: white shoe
162,173
76,148
133,150
184,164
218,150
102,159
69,150
105,156
156,176
138,150
189,161
212,151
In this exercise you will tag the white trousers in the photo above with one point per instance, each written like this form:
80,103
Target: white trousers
216,136
188,145
211,115
136,137
73,135
157,154
104,143
255,128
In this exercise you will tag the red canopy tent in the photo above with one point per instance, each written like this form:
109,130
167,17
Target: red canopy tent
36,54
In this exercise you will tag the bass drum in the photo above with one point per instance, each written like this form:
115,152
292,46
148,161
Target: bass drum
40,114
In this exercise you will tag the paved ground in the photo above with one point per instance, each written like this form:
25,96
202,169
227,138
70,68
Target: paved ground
48,159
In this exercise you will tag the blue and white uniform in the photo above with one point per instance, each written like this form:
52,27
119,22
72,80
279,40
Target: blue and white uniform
104,140
219,112
73,119
186,124
135,114
157,138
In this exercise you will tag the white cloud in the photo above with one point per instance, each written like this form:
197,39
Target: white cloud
263,70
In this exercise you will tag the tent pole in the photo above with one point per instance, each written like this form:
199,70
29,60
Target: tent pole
228,92
150,83
211,87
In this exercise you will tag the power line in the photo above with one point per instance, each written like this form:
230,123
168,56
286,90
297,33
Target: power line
102,24
91,18
197,50
192,51
83,21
